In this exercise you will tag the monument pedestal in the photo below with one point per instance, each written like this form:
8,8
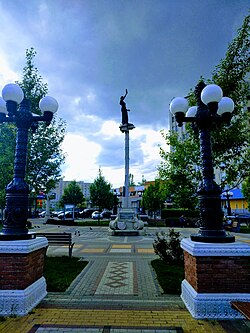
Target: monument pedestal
22,285
215,275
126,224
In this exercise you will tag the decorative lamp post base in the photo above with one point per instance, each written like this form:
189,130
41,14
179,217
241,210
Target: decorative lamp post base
212,236
22,285
215,275
12,237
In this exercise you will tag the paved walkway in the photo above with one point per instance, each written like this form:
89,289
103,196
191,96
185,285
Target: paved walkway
117,292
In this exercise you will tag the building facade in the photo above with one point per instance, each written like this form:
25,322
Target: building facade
64,183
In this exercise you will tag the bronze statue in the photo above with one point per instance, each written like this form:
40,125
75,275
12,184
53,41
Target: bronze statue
124,109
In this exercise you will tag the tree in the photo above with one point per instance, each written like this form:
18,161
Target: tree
7,146
246,190
180,177
131,180
180,167
72,194
101,193
154,196
45,154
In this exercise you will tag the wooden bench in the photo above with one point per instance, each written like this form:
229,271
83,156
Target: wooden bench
58,238
242,307
235,226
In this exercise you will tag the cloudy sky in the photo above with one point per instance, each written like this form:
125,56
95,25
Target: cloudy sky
90,51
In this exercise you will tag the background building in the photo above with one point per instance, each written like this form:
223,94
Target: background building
64,183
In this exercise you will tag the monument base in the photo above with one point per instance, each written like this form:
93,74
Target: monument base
126,224
22,285
215,275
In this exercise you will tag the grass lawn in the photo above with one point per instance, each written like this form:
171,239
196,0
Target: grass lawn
169,276
245,229
59,272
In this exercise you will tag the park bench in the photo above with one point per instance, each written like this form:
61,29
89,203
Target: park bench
242,307
58,238
234,226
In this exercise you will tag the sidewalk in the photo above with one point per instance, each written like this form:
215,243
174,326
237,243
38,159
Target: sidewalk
116,292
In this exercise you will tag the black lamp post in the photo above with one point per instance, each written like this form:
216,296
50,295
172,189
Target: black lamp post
212,110
228,195
17,191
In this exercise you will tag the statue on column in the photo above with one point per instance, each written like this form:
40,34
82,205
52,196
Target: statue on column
124,109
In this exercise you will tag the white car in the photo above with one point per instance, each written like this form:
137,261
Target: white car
96,215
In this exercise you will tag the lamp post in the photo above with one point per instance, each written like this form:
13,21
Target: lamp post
14,108
228,195
212,109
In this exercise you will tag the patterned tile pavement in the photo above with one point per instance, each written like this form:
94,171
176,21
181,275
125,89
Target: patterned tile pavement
117,292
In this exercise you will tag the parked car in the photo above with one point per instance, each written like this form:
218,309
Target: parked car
96,215
143,217
56,213
68,215
86,213
42,214
106,214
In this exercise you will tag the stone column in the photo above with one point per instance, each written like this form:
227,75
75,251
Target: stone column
126,203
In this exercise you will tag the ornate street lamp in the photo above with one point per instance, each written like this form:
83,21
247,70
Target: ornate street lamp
14,108
228,195
212,109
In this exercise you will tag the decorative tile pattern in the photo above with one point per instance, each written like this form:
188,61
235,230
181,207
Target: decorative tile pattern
92,250
117,279
145,250
121,246
120,251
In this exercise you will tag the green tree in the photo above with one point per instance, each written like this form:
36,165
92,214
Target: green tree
72,194
131,180
180,177
101,193
180,166
45,155
7,146
246,190
153,197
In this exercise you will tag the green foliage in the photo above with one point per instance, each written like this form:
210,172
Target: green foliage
131,180
246,190
59,272
72,194
169,276
32,82
244,229
154,196
179,171
45,154
45,157
180,167
101,193
7,149
231,144
168,246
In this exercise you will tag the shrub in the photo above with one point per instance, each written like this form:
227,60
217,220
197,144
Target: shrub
168,246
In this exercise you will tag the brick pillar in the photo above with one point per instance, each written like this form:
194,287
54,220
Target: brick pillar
20,270
215,275
22,285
